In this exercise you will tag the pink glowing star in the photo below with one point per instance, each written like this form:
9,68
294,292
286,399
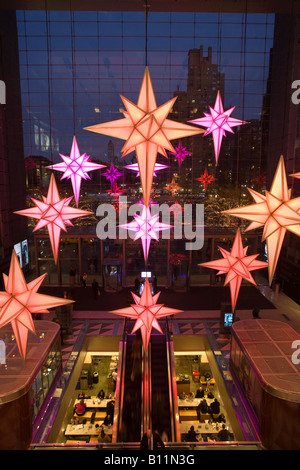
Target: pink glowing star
180,153
237,266
53,213
218,122
146,227
147,131
146,312
135,167
177,210
112,174
20,300
206,179
76,167
276,212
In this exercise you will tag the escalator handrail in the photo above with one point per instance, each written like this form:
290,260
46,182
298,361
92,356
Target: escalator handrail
120,384
176,436
146,414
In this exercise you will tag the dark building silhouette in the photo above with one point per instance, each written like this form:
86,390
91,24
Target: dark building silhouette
12,169
204,80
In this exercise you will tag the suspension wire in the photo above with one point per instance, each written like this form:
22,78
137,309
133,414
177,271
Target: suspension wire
147,7
73,71
49,81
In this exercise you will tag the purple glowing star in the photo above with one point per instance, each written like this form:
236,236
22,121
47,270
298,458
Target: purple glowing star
146,227
76,167
217,123
135,167
180,153
112,174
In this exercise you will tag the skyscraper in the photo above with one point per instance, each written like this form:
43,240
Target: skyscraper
204,80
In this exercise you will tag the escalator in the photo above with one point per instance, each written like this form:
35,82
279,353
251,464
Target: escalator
130,410
146,395
160,389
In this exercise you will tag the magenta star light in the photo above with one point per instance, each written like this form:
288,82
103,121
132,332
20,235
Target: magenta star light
146,227
218,122
112,174
180,153
76,167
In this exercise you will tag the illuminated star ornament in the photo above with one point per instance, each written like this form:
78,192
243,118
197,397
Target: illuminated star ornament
146,130
276,212
173,187
260,180
206,179
53,213
20,300
135,167
146,227
237,266
112,174
76,167
146,312
180,153
115,190
218,122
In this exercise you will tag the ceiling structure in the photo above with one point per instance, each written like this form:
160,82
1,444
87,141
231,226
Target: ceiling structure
224,6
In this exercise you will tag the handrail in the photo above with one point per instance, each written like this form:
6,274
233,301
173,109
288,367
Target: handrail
119,394
146,390
170,385
136,445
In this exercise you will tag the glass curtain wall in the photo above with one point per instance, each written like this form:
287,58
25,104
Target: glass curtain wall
75,65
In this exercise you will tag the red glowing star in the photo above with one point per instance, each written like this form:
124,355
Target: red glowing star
218,122
276,212
260,180
20,300
53,213
237,266
115,190
146,312
147,131
206,179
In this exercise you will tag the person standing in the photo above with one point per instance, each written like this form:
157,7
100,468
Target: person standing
83,279
151,441
72,275
95,287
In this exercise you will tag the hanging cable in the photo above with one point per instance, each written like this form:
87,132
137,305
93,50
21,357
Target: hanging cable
49,82
73,71
147,6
